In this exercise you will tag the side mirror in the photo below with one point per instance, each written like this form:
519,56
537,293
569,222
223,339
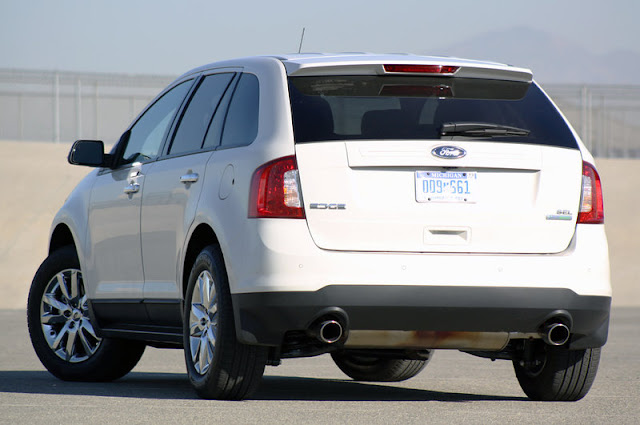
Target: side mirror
89,153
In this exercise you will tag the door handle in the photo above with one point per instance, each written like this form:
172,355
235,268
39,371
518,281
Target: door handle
189,178
132,188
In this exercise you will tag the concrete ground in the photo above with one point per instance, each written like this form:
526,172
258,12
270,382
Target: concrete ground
454,388
35,179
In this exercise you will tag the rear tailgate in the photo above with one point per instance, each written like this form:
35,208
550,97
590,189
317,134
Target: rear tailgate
381,152
383,195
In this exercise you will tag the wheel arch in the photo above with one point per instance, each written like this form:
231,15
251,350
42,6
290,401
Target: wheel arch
60,237
202,236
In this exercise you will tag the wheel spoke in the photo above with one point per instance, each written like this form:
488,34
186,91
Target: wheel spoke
197,313
213,303
62,283
210,351
195,329
213,310
211,337
75,290
52,319
88,328
83,340
194,344
82,304
206,289
204,354
56,342
57,304
86,344
211,292
71,342
202,289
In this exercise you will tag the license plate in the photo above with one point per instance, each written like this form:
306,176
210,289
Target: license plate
449,186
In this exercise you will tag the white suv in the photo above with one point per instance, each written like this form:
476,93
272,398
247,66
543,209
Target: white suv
371,207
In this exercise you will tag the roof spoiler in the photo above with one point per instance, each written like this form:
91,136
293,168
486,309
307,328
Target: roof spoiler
464,70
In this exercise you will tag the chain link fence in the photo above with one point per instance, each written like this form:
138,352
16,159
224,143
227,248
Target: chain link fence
66,106
607,118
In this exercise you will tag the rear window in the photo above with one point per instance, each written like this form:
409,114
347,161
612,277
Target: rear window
401,107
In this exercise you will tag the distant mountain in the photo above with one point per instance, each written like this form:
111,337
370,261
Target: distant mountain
552,59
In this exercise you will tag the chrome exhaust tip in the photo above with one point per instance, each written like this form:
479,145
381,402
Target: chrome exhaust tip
330,331
556,334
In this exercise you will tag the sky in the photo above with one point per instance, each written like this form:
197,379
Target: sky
170,37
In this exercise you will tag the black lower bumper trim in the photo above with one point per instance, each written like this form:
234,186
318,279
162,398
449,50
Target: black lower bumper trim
263,318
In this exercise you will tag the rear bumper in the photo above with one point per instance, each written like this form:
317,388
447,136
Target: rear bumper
264,318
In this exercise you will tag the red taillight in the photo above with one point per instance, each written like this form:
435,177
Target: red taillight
591,205
275,190
422,69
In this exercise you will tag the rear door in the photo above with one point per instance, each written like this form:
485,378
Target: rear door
171,194
377,174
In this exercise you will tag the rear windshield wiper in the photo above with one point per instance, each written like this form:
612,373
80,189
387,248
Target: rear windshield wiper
480,129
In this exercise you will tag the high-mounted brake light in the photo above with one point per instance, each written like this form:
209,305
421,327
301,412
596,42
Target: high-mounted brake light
422,69
275,190
592,205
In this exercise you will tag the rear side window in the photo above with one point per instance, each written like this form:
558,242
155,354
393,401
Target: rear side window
401,107
241,124
199,113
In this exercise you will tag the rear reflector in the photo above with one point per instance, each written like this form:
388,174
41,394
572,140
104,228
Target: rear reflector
275,190
422,69
592,205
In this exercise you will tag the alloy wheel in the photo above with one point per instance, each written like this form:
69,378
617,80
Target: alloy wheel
203,322
64,316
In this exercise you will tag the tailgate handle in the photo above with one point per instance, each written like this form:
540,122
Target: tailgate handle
448,232
447,236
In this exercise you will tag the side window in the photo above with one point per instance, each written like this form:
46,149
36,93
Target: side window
197,116
241,125
148,132
214,133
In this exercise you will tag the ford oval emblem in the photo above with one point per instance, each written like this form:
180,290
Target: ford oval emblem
448,152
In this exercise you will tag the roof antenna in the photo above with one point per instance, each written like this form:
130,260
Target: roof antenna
301,40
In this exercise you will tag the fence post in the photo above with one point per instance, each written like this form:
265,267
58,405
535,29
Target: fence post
78,109
97,114
56,107
20,118
583,117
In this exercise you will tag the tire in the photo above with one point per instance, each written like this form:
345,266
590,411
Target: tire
61,330
377,369
560,375
219,367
